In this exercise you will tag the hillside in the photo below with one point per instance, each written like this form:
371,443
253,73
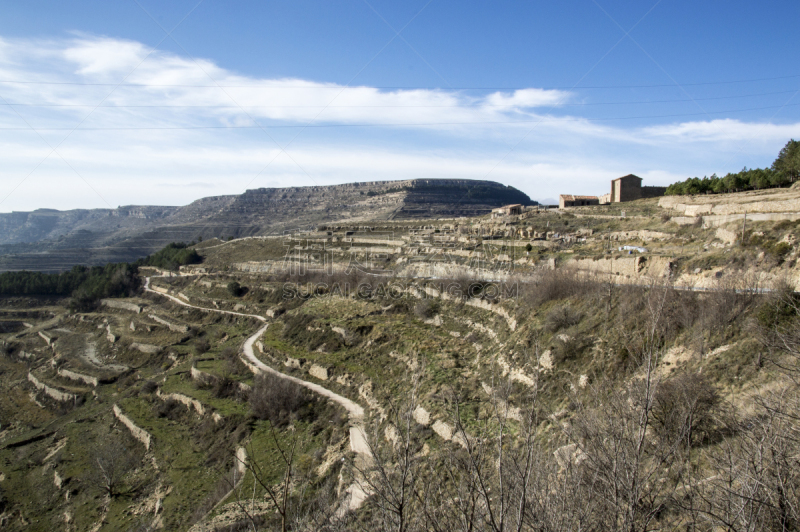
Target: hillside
48,240
605,370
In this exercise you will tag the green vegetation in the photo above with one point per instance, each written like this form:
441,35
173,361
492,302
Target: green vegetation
784,172
235,289
788,161
85,285
89,284
111,280
778,250
616,406
172,257
752,179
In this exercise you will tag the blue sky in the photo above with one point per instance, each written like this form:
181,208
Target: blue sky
100,107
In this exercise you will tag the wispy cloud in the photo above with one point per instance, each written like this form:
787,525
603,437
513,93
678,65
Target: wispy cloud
207,91
723,130
527,98
160,137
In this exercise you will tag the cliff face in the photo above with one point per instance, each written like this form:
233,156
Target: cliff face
413,198
55,240
49,224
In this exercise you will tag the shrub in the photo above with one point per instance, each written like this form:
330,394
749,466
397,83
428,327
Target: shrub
201,346
462,286
780,250
149,386
233,365
278,400
300,329
226,388
426,308
684,407
732,297
235,289
83,302
557,284
170,409
561,317
570,347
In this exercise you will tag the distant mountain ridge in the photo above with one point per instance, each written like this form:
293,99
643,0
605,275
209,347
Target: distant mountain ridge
51,240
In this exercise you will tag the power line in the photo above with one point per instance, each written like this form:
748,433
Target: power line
400,87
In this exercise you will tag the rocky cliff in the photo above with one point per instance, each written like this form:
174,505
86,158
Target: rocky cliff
51,240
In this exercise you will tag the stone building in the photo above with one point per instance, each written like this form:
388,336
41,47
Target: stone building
629,188
507,210
571,200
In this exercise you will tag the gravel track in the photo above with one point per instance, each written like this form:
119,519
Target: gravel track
358,442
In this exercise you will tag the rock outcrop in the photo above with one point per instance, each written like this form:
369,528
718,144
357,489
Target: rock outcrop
121,305
137,432
75,376
53,393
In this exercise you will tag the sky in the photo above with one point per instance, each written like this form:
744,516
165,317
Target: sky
137,102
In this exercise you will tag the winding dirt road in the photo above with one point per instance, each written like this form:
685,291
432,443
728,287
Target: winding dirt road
355,412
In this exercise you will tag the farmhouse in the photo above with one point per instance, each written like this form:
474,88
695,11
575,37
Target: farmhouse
507,210
571,200
629,188
625,188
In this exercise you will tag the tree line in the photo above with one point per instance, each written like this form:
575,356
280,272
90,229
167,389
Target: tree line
86,285
783,172
111,280
172,256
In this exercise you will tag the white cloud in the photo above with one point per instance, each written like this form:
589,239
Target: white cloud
157,78
103,57
527,98
177,173
520,138
727,129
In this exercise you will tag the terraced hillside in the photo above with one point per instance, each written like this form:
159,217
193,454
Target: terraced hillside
170,384
561,370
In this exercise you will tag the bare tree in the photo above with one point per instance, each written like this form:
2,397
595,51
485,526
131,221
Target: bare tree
635,456
323,512
684,406
113,459
777,327
629,477
278,495
754,480
391,476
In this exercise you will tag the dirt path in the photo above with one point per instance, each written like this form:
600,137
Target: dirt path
185,304
355,412
89,355
358,442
